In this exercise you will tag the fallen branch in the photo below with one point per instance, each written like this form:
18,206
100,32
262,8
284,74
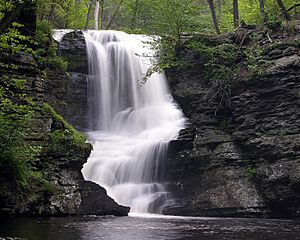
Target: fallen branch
268,36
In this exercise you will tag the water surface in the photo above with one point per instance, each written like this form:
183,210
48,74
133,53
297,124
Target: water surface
137,228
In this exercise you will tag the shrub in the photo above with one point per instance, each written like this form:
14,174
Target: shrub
43,33
58,63
251,173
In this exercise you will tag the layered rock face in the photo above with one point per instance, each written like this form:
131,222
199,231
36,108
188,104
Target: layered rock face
242,161
67,92
61,157
239,161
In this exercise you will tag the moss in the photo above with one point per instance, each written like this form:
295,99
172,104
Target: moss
64,134
220,60
208,40
251,173
281,45
226,54
201,48
46,52
219,73
57,63
40,184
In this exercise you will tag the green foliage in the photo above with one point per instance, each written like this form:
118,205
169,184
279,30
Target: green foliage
220,73
43,33
39,184
251,173
255,66
16,155
66,13
225,54
8,5
46,52
201,48
221,67
57,63
160,17
65,135
274,24
13,41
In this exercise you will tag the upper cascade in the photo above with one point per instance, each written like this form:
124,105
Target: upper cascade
131,123
58,34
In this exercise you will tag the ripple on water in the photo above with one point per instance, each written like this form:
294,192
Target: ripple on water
150,228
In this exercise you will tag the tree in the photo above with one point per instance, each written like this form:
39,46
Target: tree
96,15
88,15
219,6
22,11
51,13
236,13
214,16
262,9
284,11
163,17
114,15
101,13
134,15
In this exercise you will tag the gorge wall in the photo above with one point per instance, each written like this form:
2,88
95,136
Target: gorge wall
56,184
237,158
243,159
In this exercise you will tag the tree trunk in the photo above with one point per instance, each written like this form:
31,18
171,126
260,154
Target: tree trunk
51,13
236,19
214,16
284,11
219,7
135,11
96,15
114,15
262,9
88,16
101,14
67,15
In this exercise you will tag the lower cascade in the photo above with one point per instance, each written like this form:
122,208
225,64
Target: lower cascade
131,123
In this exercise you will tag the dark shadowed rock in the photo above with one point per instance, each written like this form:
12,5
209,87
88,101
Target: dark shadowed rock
73,49
66,192
94,201
67,92
243,162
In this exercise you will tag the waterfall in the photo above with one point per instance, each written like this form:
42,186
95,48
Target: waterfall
131,123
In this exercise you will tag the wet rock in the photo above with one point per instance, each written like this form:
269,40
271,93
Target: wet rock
243,162
290,62
66,193
94,201
290,51
73,49
276,53
67,92
12,238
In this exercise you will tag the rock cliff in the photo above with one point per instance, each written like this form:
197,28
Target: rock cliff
67,91
239,155
242,159
58,187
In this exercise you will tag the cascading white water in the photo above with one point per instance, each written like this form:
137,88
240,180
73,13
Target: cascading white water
131,123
